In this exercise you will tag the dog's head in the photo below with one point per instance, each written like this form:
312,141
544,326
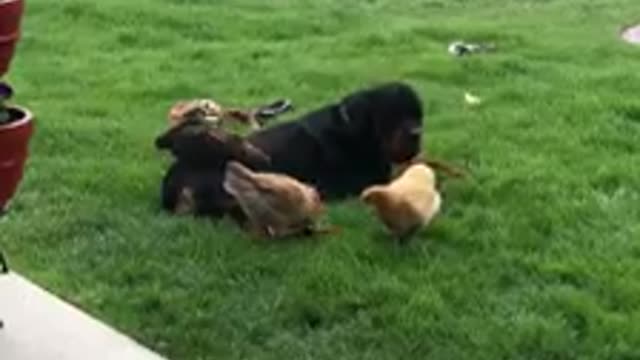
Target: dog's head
195,141
390,115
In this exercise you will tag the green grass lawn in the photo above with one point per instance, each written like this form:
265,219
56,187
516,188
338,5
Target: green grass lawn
536,257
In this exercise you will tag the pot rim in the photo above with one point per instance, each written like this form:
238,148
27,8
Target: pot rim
27,118
2,2
14,36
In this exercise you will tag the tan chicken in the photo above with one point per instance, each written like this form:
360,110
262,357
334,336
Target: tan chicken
275,205
408,203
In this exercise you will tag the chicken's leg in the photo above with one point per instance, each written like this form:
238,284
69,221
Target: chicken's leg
405,237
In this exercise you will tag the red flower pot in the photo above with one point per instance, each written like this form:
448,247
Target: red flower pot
14,149
10,17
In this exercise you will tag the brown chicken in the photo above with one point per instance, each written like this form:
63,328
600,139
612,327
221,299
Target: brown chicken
408,203
217,115
276,205
200,109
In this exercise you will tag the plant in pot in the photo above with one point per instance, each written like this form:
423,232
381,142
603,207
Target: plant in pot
16,128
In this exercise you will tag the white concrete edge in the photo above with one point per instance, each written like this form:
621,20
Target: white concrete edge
39,325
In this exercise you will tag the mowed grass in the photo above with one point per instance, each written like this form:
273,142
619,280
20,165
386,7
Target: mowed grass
536,256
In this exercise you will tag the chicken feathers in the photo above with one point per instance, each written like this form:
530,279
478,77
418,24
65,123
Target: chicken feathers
276,205
408,203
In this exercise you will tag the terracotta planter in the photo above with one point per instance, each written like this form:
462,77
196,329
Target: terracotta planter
10,18
14,149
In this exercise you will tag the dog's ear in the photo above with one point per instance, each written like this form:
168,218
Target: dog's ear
165,141
170,136
355,113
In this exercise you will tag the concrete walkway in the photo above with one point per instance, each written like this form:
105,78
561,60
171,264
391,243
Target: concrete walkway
40,326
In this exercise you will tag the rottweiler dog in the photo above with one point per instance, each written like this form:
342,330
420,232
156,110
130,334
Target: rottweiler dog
345,147
340,149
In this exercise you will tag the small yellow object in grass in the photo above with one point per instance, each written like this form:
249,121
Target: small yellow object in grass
472,99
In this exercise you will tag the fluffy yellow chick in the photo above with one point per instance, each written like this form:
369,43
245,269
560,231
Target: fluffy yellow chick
276,205
408,203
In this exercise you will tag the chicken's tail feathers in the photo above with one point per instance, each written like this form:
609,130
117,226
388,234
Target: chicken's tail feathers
236,177
238,169
437,202
369,193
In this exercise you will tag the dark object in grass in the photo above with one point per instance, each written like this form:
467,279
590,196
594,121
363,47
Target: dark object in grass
459,48
273,109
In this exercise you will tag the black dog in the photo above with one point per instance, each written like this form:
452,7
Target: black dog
341,149
345,147
193,183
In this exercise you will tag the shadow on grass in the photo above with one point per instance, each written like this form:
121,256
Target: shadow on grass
423,240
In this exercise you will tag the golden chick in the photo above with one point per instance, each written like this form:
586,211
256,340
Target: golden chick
276,205
408,203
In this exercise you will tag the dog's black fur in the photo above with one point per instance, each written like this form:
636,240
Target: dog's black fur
345,147
341,149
